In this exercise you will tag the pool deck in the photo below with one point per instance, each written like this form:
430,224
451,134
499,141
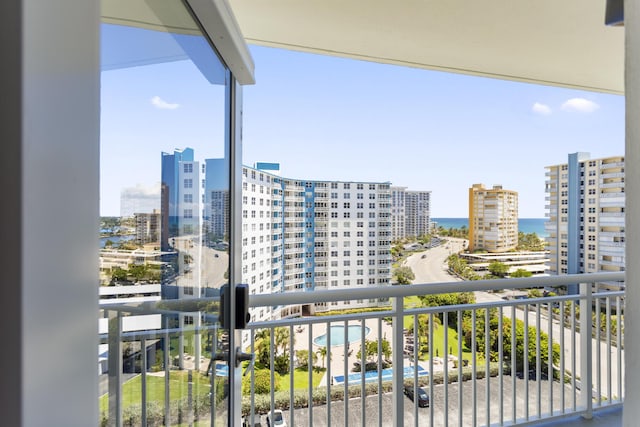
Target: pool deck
338,352
371,376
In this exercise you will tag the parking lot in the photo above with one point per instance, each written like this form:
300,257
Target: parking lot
425,415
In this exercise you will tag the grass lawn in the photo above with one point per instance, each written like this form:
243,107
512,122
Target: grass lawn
178,388
300,379
411,302
438,340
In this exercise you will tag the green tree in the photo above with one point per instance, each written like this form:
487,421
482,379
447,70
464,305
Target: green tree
404,275
283,340
529,242
534,293
303,359
263,347
118,275
521,272
498,269
439,300
425,239
322,352
138,271
262,382
520,353
371,350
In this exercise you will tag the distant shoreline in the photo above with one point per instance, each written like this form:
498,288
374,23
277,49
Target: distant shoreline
526,225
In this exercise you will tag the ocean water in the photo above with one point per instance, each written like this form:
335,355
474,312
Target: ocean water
526,225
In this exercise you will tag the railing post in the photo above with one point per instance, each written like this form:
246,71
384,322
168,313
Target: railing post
586,376
398,363
143,379
115,370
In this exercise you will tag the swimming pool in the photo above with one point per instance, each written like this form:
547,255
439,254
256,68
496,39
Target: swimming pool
337,335
386,374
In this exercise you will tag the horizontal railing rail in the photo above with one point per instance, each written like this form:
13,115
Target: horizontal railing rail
507,359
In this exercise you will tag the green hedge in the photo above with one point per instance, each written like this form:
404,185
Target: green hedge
179,409
262,403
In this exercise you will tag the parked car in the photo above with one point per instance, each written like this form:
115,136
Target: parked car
278,419
423,397
423,256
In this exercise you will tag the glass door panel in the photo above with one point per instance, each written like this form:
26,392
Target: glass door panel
165,207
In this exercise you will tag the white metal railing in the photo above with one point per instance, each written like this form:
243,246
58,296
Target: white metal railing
563,363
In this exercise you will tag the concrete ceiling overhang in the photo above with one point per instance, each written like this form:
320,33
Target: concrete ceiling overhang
550,42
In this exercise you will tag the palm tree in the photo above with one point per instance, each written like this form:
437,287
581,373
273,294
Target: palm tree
283,339
323,354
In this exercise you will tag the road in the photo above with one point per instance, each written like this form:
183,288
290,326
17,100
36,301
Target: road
433,267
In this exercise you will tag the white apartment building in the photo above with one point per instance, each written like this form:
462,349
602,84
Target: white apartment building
418,213
147,227
493,218
398,213
586,214
410,213
302,235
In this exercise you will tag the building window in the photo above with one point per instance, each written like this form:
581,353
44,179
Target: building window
187,167
188,183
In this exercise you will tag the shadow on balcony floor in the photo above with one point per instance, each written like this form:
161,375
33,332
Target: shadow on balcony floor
603,418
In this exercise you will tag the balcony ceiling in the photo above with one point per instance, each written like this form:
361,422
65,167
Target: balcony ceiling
552,42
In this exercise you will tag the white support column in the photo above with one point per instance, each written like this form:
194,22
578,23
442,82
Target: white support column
49,170
586,349
632,213
397,337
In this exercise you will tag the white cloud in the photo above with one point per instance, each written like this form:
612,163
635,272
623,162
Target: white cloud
142,191
541,109
580,105
160,103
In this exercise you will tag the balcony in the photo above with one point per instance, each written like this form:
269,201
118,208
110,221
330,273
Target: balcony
561,374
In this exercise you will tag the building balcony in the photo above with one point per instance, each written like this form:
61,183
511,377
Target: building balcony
612,185
606,166
610,235
612,202
613,194
612,214
606,175
290,251
294,208
572,365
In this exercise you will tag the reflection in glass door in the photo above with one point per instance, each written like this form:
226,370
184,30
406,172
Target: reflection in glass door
165,206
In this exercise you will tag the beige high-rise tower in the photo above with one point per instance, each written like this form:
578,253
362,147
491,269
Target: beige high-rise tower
493,218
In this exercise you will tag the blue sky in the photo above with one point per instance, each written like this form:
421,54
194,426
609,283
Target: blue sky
329,118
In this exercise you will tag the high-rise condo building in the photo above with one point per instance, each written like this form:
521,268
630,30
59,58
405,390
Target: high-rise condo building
493,218
410,213
147,227
585,213
298,235
418,213
179,195
398,213
303,235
